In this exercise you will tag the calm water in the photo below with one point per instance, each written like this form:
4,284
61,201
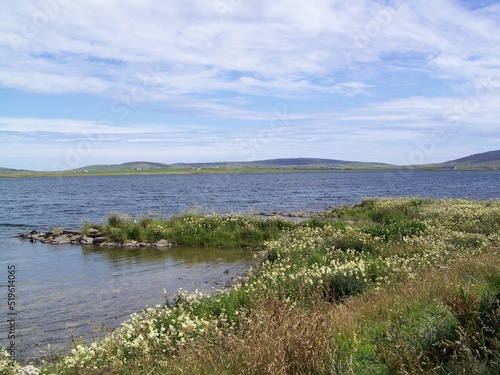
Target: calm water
71,290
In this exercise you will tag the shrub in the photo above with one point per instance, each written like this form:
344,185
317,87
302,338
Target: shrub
413,345
396,229
118,235
352,239
478,327
340,287
146,222
136,232
117,219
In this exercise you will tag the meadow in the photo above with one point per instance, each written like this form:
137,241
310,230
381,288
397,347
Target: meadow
389,286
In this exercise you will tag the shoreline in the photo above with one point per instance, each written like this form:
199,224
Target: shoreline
209,171
93,237
121,231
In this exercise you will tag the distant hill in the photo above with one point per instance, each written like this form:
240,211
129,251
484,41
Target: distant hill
132,165
284,163
484,158
309,162
487,160
289,163
10,170
144,164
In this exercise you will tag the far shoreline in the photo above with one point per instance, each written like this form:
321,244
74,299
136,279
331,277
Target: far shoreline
211,171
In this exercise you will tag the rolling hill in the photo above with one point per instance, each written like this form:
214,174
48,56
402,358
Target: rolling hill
284,163
490,158
485,160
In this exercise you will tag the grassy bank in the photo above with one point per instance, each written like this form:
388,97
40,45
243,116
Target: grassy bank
390,286
225,231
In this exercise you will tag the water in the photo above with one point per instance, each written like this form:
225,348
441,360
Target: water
64,291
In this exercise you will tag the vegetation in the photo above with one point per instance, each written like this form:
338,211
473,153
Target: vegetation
390,286
226,231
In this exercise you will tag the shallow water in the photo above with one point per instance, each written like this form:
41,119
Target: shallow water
65,291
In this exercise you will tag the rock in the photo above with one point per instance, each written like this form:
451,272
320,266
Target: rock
98,240
163,243
75,238
93,232
60,236
61,240
55,231
131,243
87,240
73,232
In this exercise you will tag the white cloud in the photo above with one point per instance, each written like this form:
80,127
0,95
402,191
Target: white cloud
347,72
281,44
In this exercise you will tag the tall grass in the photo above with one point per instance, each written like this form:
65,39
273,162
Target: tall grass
227,231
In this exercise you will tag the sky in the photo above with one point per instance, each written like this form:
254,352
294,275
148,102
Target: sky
99,82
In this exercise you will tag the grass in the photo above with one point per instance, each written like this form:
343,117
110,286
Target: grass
225,231
419,294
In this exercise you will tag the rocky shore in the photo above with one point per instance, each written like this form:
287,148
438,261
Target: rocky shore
92,236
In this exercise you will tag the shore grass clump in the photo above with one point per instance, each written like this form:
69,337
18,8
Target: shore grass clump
396,229
329,298
459,333
477,324
227,231
414,342
117,219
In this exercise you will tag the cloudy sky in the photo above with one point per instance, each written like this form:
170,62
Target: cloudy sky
91,81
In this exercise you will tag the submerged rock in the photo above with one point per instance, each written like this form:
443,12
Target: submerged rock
163,243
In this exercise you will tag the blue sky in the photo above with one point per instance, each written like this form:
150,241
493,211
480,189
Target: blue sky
91,82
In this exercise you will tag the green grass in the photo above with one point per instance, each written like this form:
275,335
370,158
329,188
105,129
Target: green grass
226,231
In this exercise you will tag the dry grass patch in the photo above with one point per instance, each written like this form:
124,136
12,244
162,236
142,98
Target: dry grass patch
275,338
